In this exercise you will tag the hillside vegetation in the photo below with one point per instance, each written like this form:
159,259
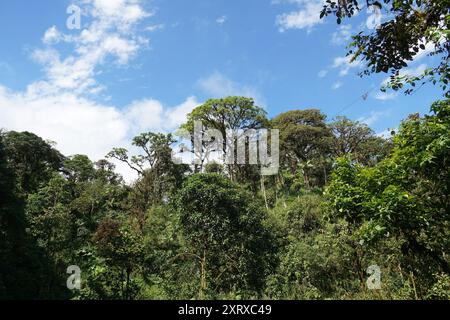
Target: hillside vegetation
343,201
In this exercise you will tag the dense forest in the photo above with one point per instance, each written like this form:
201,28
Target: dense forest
349,214
344,200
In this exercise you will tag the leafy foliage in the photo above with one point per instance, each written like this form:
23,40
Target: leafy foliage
217,216
342,201
412,26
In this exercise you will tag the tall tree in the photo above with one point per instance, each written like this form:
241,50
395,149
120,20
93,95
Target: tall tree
23,267
79,168
33,160
353,137
305,137
118,245
158,174
228,115
223,227
12,227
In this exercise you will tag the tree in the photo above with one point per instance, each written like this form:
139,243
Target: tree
407,194
63,214
12,227
53,228
158,174
118,247
228,115
353,137
106,172
304,137
412,28
223,228
32,159
23,266
79,168
349,135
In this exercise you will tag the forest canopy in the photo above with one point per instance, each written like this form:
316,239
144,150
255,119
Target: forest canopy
348,214
344,200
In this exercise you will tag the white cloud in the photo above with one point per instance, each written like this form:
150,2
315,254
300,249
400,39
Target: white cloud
77,124
344,64
82,126
383,96
342,35
61,108
219,86
306,17
177,115
122,14
145,114
108,34
374,117
374,17
151,115
221,20
337,85
155,27
322,73
52,36
414,72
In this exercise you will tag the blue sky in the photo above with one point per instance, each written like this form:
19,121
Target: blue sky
142,65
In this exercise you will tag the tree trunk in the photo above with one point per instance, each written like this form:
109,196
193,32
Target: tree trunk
202,276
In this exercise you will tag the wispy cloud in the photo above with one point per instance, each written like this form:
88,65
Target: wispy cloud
322,73
343,35
217,85
414,72
306,17
344,64
155,27
384,96
337,85
374,117
64,106
109,33
6,68
221,20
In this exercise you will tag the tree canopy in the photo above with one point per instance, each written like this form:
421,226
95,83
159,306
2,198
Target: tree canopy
410,28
